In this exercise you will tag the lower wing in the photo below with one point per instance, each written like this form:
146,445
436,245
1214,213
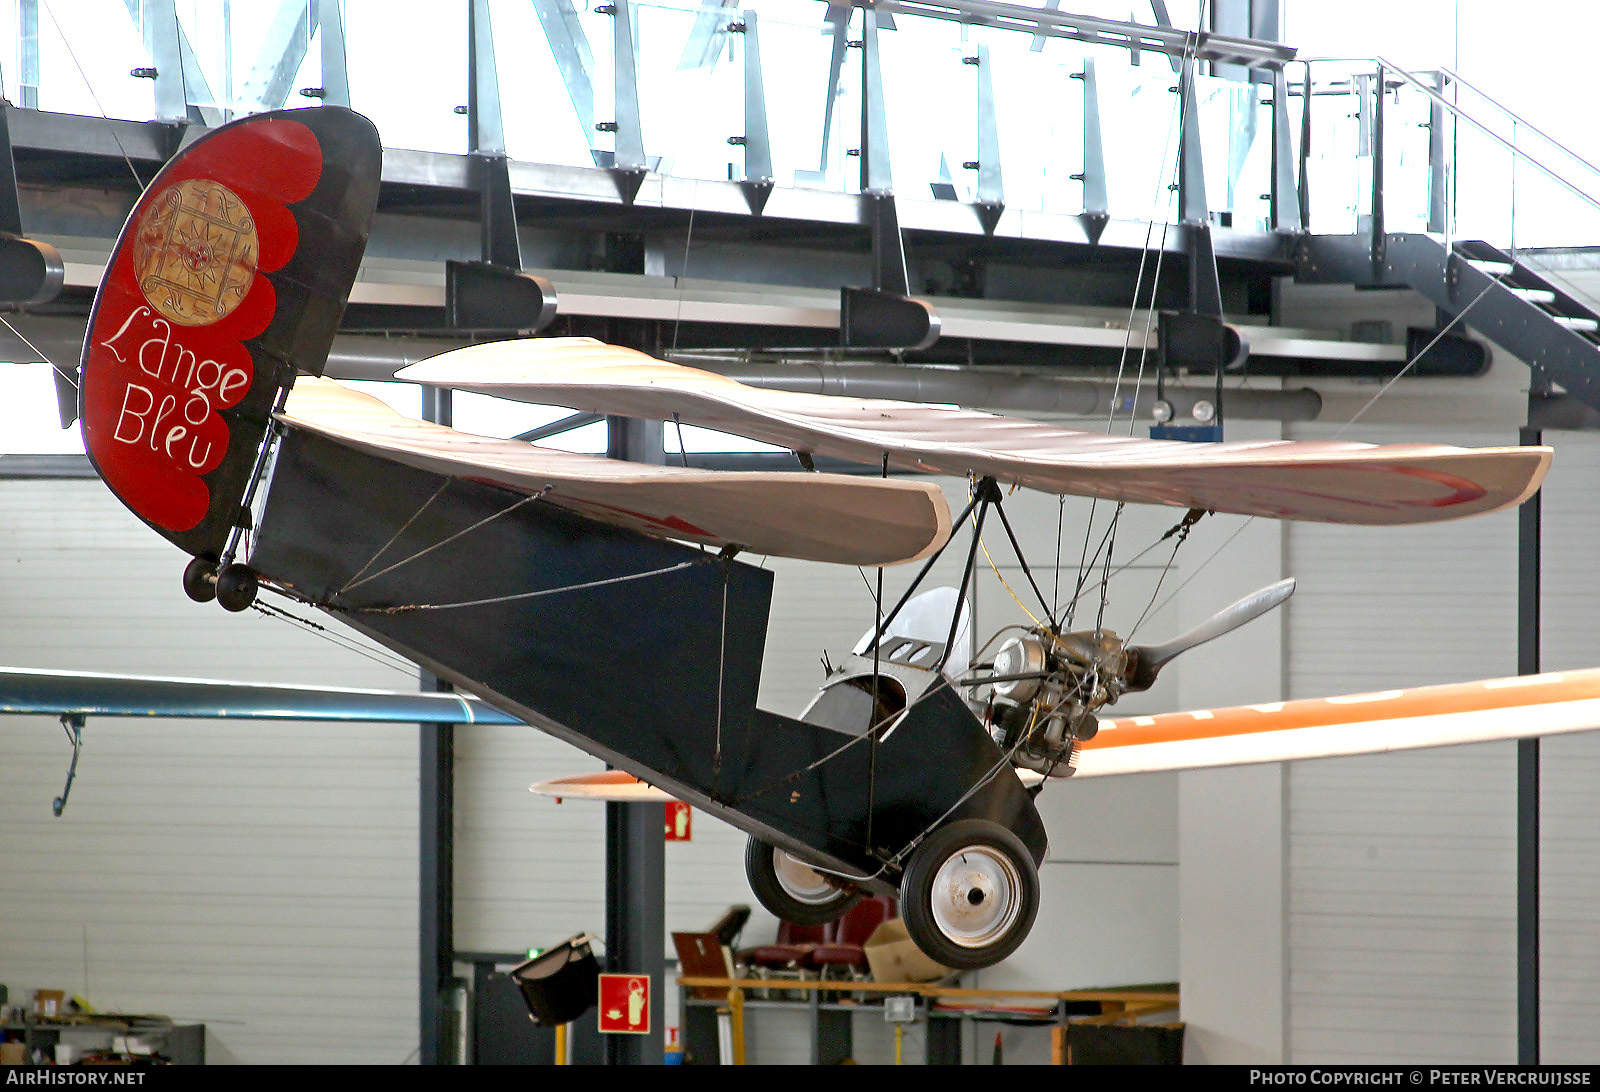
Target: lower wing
816,517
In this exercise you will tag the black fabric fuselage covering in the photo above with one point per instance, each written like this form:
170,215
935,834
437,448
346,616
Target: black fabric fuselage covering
641,651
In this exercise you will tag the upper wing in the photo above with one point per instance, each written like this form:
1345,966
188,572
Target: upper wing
1326,481
24,690
818,517
1389,720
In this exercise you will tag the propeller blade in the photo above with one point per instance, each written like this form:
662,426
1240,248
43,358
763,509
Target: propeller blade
1148,660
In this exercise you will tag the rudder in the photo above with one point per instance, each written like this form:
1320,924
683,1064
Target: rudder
230,276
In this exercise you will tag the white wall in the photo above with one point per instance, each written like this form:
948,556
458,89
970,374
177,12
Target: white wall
1401,912
1231,822
259,878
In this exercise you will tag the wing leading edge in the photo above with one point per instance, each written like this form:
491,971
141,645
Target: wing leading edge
1324,481
1389,720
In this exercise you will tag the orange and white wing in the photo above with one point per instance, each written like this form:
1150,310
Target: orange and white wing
613,786
1325,481
815,517
1388,720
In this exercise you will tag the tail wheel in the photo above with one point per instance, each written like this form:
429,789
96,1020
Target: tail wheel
236,587
969,894
793,890
200,579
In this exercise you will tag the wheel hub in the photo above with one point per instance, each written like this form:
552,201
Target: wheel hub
976,896
802,882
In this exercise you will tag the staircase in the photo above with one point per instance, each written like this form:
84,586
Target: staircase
1503,300
1488,290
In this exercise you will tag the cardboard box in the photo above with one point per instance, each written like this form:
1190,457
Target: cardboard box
893,956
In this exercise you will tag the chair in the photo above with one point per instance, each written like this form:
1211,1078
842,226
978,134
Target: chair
844,954
787,957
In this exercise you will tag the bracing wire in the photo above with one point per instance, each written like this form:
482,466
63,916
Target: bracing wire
65,41
407,608
1176,121
337,639
507,510
59,370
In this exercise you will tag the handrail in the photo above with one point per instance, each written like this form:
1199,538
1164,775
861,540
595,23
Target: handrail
1126,997
1456,111
1205,45
1519,119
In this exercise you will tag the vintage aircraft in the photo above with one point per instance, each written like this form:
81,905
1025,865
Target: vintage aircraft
604,603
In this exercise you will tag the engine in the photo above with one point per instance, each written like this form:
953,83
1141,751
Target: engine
1045,690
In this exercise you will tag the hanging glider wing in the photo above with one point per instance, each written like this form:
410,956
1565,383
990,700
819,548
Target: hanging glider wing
86,693
1389,720
613,786
816,517
1323,481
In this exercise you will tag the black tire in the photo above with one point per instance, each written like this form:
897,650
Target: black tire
200,579
969,894
236,587
791,889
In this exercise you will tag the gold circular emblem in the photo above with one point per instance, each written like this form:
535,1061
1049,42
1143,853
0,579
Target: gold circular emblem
195,252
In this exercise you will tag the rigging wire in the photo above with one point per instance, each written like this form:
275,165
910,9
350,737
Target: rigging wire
529,499
437,493
69,376
340,640
1445,329
1176,121
112,129
407,608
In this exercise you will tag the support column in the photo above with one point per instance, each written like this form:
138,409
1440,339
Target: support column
1529,534
636,845
436,871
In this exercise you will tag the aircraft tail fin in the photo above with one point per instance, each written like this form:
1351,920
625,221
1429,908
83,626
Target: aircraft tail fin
228,279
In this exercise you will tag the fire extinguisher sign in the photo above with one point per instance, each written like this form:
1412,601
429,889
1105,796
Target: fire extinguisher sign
625,1004
678,821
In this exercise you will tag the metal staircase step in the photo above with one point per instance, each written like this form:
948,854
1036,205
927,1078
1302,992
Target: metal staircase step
1563,337
1533,295
1582,325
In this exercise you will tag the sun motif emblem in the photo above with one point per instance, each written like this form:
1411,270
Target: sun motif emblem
195,252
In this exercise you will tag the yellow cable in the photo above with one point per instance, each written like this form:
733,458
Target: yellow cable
996,570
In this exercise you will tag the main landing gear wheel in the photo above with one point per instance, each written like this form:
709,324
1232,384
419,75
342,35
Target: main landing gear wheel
792,889
969,894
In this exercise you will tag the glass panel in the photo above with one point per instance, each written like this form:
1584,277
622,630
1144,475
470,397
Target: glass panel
1139,126
240,50
1406,172
410,93
691,105
546,120
1339,167
794,63
1040,107
931,100
88,71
